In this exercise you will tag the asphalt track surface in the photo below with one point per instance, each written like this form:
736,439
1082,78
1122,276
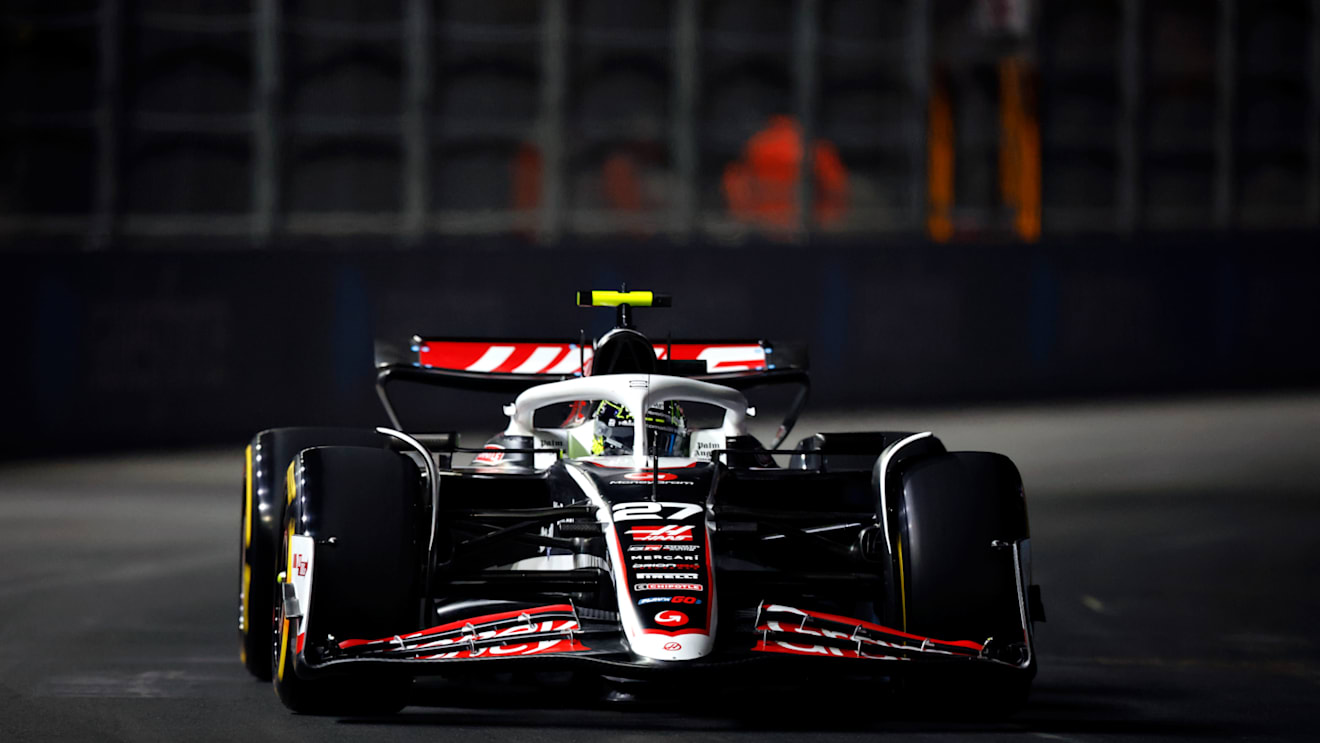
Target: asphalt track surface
1177,542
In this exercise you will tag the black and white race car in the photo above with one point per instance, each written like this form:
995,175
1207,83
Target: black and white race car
640,533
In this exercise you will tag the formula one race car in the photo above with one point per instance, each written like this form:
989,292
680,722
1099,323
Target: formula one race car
624,539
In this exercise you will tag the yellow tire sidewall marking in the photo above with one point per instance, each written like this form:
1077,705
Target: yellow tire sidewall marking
284,649
291,488
902,585
247,498
247,590
247,543
289,484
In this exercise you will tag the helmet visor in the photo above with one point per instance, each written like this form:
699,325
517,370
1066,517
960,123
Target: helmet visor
666,430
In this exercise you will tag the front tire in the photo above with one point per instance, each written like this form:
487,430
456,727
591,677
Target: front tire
958,515
265,461
363,509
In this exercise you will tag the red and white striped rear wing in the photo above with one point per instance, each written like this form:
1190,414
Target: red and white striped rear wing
511,366
559,358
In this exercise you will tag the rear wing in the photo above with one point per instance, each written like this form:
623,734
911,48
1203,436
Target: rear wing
565,358
511,366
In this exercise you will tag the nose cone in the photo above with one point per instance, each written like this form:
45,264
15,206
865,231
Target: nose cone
687,646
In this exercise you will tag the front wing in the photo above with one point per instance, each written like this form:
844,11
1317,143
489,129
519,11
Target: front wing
565,635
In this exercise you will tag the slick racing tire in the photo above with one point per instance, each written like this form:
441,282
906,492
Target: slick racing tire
363,509
265,461
958,514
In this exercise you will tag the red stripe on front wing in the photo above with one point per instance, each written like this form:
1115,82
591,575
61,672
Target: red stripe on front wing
821,650
484,619
879,628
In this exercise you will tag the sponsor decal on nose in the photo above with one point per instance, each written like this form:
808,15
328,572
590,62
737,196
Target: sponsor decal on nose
671,618
668,587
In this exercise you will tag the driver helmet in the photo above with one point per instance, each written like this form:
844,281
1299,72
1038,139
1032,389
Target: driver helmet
666,430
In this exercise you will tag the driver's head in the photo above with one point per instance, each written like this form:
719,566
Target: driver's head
666,430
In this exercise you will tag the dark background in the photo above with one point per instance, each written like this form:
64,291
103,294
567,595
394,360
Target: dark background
208,210
1103,214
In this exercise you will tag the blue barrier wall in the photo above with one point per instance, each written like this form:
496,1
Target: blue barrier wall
184,347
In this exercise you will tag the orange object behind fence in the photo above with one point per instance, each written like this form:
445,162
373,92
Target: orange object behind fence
1019,147
939,163
1019,153
761,188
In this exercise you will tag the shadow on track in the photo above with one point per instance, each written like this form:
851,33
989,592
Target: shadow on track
1062,711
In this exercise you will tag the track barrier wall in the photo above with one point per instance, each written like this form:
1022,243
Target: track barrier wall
184,347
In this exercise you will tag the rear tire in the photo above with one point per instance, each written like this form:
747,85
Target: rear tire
953,584
366,584
267,458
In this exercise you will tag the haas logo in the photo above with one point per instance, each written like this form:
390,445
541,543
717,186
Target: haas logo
666,533
671,618
648,476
